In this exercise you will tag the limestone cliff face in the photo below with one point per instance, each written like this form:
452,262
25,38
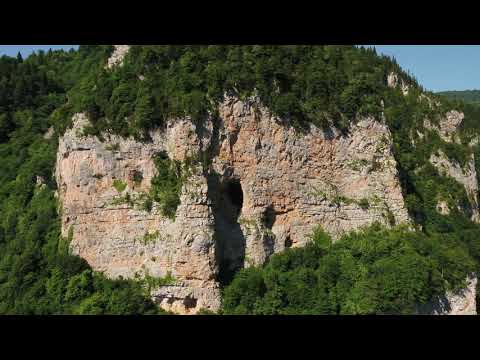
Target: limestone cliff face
111,236
394,81
292,182
447,129
267,188
467,176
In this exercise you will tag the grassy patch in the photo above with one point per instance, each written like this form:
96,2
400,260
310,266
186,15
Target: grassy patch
151,283
364,203
137,176
119,185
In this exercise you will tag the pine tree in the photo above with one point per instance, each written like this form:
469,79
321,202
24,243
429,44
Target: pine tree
144,111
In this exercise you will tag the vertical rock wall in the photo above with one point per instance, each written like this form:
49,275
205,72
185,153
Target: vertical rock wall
121,239
292,182
119,53
269,186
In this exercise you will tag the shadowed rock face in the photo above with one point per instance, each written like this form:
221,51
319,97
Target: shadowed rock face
466,176
462,302
268,186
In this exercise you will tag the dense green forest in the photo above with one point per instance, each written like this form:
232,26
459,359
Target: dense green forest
38,275
324,85
467,96
372,271
375,270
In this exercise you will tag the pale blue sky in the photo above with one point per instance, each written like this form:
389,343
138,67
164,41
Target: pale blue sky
25,50
437,67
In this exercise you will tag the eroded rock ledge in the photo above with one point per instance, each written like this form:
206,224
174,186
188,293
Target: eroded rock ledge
268,187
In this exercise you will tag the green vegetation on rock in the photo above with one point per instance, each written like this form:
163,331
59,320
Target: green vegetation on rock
372,271
324,85
167,183
119,185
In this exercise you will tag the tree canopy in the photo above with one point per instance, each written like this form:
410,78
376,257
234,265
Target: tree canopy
375,270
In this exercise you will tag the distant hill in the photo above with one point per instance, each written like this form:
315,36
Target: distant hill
468,96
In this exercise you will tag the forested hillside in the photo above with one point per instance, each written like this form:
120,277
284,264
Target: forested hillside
373,271
467,96
37,273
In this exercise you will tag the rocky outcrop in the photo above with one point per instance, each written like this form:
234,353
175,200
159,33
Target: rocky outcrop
442,207
267,188
466,176
49,134
447,127
119,52
394,81
432,103
462,302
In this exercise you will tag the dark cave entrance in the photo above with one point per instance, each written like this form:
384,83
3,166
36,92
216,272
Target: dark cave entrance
227,200
288,242
189,302
235,195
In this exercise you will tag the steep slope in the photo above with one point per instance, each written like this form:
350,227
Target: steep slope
182,173
263,186
288,184
38,274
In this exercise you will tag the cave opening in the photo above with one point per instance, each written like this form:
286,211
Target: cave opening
227,201
235,195
269,217
190,302
288,242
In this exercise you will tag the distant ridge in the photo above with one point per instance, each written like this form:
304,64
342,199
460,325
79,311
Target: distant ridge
468,96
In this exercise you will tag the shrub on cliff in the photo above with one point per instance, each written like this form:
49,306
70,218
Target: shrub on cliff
167,184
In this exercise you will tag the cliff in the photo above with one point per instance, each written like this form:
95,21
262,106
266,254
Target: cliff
268,188
466,175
